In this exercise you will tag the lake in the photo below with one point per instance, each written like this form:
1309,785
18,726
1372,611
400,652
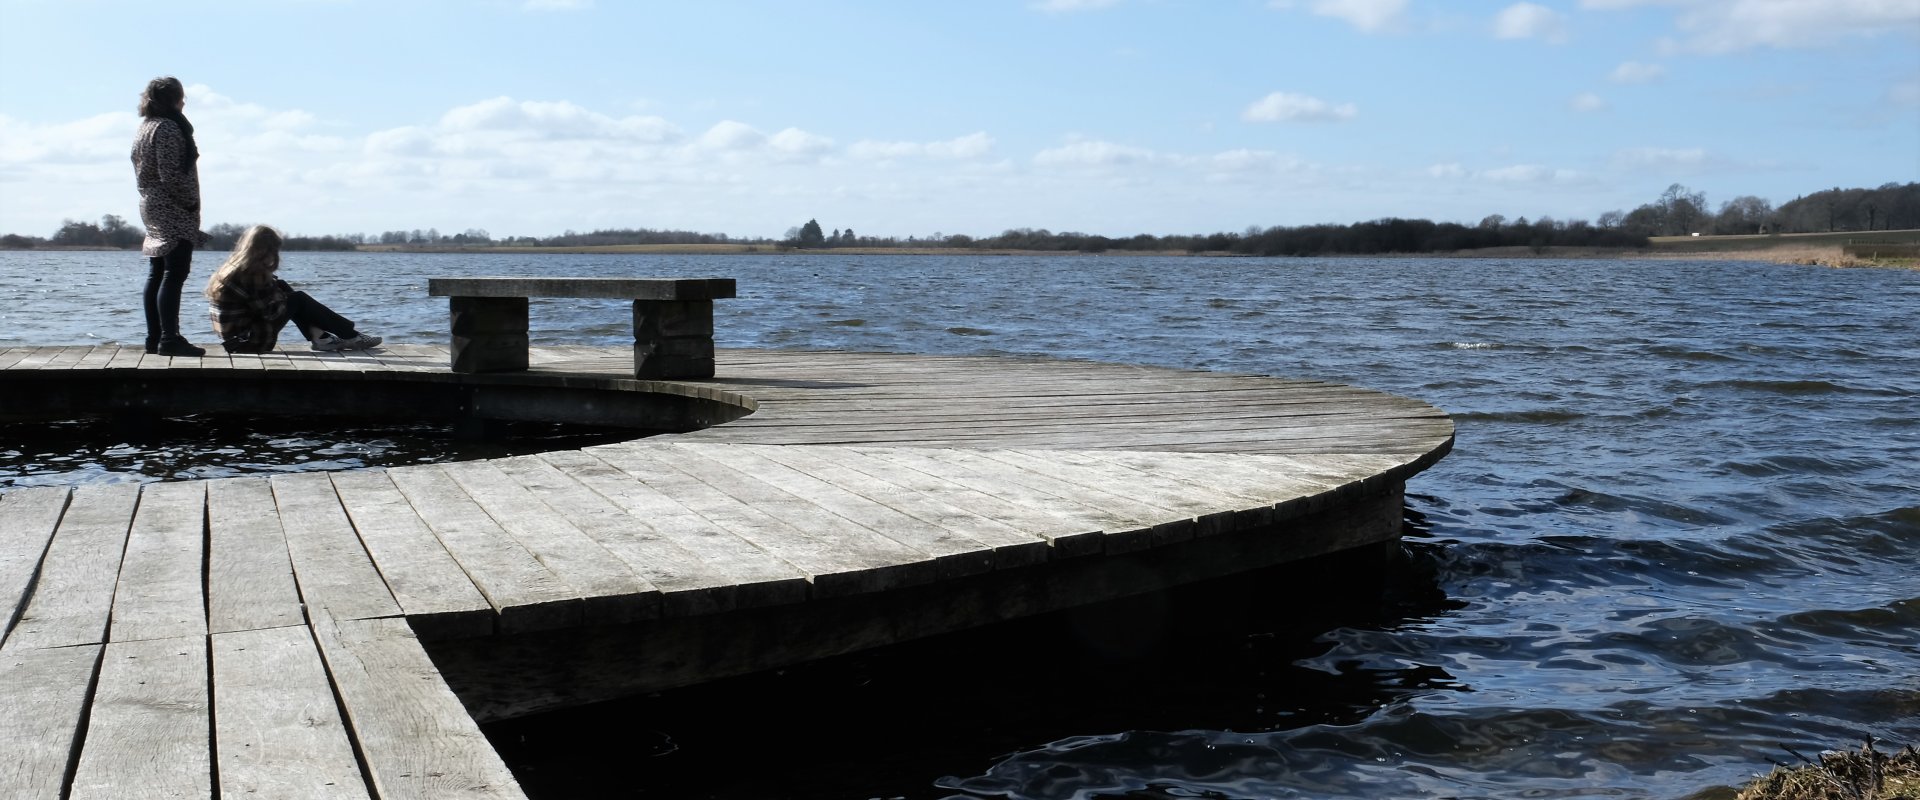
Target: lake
1679,532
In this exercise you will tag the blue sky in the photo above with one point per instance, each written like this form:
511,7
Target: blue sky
1116,117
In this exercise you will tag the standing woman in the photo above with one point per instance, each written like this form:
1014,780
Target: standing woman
165,164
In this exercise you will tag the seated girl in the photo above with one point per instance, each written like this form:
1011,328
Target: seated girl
250,305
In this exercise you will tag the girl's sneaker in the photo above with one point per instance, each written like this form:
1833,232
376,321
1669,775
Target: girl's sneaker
328,342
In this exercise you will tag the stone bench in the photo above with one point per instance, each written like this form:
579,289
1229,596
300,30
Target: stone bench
672,319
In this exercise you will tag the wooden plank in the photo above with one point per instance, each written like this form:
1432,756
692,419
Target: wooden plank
682,552
839,558
526,594
277,728
67,357
1012,546
35,358
613,592
431,588
160,594
149,731
73,598
126,358
329,564
98,358
415,735
1072,529
250,582
954,550
686,583
28,518
13,355
43,703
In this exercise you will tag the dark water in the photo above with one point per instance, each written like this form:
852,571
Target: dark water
1680,530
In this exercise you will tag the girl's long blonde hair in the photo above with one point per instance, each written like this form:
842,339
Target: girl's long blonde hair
251,264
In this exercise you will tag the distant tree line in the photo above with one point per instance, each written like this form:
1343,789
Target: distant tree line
1678,211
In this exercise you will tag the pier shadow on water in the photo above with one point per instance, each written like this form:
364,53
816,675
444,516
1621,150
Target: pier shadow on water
139,448
1003,711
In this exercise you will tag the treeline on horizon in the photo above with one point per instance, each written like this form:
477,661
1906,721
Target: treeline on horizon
1678,211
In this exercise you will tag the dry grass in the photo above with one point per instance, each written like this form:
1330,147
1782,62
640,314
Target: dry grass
1866,775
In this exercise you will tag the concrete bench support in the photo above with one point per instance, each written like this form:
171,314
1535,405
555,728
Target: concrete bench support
672,319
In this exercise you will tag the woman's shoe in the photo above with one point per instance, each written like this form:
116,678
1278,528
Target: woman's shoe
178,346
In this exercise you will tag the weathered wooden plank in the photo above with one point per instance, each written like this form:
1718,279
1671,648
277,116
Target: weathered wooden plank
73,598
416,736
436,595
98,357
13,355
160,593
687,584
613,592
35,358
149,730
277,728
837,560
43,703
329,564
126,358
525,593
1012,546
1127,526
954,551
250,581
681,549
28,518
67,357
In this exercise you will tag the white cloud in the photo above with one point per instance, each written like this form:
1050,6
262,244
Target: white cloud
793,141
556,5
1093,153
1587,102
1530,21
973,145
554,120
1291,107
1661,158
1069,6
1370,16
1905,92
1633,72
728,135
1725,26
1528,173
1448,170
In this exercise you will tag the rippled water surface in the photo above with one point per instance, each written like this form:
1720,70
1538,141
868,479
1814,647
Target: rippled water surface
1680,529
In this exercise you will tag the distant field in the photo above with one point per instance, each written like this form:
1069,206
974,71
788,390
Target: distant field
1721,244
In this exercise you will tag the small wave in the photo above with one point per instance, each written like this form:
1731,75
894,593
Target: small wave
1805,387
847,323
1689,354
1547,416
963,331
1472,345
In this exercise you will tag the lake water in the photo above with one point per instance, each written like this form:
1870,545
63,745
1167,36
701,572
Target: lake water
1679,533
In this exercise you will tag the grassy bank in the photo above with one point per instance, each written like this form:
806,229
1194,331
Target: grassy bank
1865,775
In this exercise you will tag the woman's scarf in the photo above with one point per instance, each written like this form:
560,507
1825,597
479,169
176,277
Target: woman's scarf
191,154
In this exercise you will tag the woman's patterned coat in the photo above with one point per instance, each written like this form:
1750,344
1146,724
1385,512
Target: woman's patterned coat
169,187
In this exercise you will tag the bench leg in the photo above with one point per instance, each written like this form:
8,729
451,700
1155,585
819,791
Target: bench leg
673,338
489,333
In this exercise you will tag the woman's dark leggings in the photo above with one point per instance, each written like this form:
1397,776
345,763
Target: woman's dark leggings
161,300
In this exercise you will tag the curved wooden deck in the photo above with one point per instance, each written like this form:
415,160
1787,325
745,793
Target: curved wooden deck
265,636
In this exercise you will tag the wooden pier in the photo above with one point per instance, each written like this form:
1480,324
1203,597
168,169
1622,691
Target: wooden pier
344,634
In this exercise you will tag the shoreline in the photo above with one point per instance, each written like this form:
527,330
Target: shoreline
1815,250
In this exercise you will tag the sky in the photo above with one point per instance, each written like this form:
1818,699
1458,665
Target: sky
923,117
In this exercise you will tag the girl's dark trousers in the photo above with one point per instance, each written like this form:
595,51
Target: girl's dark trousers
312,318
